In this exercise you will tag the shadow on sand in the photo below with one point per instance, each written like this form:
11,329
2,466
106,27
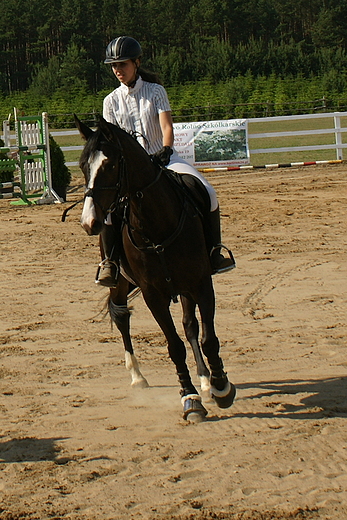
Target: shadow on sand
30,449
319,398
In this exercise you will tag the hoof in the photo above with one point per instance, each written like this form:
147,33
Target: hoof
193,410
196,417
224,398
140,383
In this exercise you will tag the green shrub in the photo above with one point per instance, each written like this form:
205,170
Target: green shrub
61,175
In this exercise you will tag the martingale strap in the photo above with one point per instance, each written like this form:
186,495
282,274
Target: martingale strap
159,249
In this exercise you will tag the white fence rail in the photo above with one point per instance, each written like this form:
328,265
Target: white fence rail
337,130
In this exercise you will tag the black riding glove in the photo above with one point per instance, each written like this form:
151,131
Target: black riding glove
162,157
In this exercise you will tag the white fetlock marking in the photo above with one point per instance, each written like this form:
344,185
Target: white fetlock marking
221,393
196,397
132,365
205,384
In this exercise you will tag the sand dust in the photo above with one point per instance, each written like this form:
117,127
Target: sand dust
77,443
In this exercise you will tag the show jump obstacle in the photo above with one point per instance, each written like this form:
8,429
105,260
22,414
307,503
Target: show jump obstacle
31,156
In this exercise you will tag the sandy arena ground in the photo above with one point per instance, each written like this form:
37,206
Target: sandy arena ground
77,443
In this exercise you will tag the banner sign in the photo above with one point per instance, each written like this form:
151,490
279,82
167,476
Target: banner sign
213,143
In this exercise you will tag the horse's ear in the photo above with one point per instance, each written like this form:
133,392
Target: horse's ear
83,129
106,128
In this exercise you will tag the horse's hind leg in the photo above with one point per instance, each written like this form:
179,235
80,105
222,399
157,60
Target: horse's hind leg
191,329
222,391
120,315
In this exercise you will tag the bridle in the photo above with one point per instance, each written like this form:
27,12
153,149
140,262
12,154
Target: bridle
92,192
122,200
122,179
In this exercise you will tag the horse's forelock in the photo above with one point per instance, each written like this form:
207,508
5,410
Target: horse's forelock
89,146
92,145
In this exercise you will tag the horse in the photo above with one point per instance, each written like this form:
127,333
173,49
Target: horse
163,253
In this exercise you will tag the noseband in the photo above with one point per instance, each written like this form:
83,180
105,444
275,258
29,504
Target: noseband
91,192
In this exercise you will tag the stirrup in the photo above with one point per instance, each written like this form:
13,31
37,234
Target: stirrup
111,278
228,265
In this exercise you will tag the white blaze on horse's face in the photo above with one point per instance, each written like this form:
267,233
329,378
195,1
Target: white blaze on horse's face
89,216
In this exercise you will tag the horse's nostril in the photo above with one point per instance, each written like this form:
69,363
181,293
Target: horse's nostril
92,228
87,228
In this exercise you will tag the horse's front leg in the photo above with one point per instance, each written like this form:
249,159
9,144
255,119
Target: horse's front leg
222,391
193,410
120,315
191,329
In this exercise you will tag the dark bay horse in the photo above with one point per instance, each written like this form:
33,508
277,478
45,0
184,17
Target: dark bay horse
163,253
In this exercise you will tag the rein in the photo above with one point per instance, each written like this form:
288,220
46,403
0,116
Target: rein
89,193
139,194
66,211
122,199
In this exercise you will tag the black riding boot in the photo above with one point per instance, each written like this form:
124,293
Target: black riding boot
219,263
108,270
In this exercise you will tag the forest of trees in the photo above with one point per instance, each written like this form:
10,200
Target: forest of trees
57,47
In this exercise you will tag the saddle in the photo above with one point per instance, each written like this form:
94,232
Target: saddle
193,189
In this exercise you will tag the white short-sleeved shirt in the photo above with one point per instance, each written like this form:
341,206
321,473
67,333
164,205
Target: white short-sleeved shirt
137,109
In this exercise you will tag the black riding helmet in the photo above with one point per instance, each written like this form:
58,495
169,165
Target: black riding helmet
123,48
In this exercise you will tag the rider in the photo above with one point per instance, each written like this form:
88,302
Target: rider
140,104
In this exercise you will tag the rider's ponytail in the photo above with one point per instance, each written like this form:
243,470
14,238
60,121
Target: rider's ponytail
151,77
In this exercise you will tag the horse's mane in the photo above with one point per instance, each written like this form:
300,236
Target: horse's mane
108,140
130,136
110,137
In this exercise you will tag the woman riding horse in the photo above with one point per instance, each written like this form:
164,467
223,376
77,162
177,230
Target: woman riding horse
162,251
140,105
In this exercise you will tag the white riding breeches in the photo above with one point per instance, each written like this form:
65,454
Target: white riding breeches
179,165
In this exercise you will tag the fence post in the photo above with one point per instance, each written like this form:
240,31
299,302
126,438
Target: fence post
6,131
338,137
